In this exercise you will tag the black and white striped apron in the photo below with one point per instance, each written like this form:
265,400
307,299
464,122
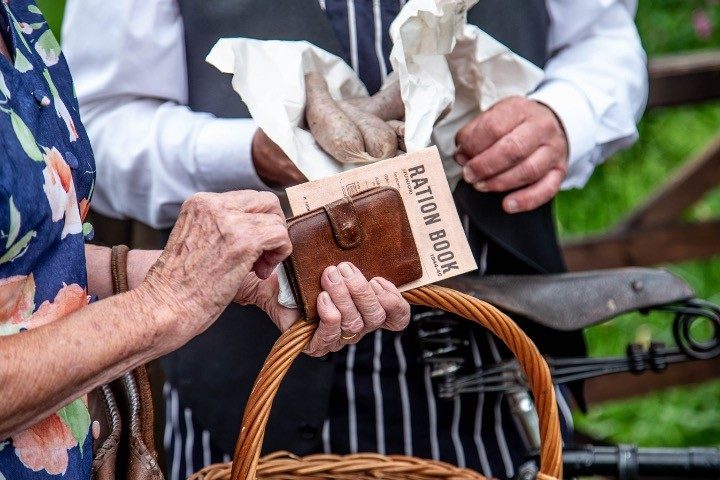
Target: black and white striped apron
383,398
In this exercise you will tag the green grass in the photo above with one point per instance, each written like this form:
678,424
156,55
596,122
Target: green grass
674,418
666,26
681,416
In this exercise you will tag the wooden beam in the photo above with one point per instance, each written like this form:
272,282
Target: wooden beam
627,385
644,247
682,79
693,180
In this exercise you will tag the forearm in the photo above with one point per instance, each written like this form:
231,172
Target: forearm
98,268
43,369
596,82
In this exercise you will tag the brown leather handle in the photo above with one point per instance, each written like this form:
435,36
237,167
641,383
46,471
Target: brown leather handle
118,268
293,341
141,424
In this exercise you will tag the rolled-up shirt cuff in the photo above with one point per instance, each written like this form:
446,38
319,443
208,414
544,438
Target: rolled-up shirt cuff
578,119
223,152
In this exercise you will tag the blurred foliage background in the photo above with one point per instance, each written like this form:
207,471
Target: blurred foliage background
53,11
681,416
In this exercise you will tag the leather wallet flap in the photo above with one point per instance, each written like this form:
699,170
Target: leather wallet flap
345,223
371,230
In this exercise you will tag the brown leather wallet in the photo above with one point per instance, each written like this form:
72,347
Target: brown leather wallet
371,230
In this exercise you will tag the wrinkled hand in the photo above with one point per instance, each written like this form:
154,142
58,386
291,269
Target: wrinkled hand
272,165
349,307
219,239
518,144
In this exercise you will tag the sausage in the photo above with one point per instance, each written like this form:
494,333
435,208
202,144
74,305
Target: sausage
379,138
333,130
386,104
399,128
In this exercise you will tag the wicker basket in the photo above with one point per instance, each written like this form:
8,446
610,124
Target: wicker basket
247,463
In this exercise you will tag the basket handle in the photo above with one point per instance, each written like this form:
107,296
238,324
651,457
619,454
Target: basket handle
294,340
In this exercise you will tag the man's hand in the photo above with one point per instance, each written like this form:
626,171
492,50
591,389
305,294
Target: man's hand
518,144
272,165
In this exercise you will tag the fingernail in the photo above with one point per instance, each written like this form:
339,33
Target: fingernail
512,206
346,270
481,187
377,288
469,175
325,299
461,158
334,275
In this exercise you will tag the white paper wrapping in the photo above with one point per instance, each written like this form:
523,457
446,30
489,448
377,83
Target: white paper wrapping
442,62
285,294
270,78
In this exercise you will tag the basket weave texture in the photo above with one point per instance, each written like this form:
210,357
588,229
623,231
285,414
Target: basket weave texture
247,464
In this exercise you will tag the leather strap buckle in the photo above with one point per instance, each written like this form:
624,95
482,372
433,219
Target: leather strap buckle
345,223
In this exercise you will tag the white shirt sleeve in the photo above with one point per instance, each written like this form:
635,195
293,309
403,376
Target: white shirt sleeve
595,81
152,152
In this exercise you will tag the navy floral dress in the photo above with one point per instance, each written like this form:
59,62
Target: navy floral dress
47,173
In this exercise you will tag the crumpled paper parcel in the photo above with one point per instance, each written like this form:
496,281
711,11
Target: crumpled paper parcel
442,62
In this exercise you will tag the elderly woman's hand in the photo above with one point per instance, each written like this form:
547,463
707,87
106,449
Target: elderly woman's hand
217,241
349,307
225,246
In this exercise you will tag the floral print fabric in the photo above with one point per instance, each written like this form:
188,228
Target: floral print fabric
47,173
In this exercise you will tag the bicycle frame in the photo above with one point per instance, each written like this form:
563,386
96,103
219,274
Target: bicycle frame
442,351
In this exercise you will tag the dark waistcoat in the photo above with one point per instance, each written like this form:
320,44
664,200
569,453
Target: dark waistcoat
302,402
520,24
